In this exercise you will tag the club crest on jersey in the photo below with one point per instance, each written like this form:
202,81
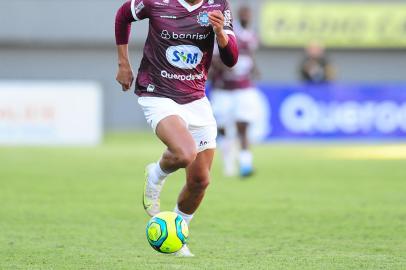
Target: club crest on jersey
210,2
203,18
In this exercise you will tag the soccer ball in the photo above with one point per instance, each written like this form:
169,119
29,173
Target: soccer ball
167,232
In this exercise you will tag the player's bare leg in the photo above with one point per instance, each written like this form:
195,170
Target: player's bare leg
197,180
192,194
245,158
181,152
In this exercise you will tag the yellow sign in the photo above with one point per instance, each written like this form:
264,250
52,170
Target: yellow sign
351,25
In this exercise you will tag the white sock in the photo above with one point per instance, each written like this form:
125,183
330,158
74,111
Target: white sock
186,217
226,146
157,174
245,158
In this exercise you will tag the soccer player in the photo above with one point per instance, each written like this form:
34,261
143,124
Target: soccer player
171,89
235,99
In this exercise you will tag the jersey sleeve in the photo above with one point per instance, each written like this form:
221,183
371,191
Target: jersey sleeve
229,54
140,9
130,11
123,22
228,18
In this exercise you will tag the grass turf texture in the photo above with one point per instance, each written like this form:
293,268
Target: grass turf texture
80,208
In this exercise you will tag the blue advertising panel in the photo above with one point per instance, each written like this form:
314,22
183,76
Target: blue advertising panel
331,111
336,111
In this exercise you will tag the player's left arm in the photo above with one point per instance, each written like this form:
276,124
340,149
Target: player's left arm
227,43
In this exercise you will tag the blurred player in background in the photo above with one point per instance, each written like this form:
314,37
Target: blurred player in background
171,85
234,98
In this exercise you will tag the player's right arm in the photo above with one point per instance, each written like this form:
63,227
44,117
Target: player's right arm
124,18
129,12
125,75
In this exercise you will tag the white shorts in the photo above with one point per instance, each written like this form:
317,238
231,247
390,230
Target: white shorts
235,106
198,117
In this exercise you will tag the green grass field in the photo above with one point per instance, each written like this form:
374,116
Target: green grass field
308,207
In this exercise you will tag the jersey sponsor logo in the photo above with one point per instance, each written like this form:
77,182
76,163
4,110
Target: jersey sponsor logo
139,7
227,18
151,88
182,77
168,17
165,34
164,3
184,56
212,6
203,19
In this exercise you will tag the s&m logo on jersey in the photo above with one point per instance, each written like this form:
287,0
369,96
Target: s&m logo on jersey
203,18
184,56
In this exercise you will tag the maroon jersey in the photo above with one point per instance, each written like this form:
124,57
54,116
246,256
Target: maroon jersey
241,75
179,47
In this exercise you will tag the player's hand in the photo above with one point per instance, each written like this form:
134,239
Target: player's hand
125,76
216,19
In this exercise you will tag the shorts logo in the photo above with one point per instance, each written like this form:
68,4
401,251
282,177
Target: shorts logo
203,143
203,18
184,56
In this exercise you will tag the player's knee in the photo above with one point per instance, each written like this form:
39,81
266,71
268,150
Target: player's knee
199,182
185,156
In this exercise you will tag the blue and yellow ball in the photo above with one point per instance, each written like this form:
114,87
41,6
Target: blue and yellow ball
167,232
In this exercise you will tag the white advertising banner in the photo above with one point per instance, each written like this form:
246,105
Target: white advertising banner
50,113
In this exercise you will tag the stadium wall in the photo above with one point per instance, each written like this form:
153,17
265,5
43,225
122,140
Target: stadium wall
60,40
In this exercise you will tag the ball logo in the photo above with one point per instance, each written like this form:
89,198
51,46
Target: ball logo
184,56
